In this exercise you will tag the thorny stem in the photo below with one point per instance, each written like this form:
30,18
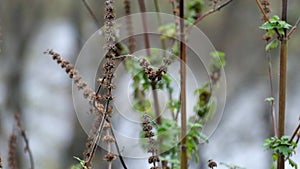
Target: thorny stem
213,10
184,161
273,113
282,83
87,6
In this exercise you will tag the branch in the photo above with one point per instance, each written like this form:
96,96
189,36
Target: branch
293,28
211,11
24,136
87,6
295,133
265,16
270,72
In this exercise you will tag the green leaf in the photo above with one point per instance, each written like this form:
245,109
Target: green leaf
266,26
272,45
293,163
218,58
269,99
82,162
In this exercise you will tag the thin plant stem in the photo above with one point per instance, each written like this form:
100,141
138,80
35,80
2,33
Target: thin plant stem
295,133
282,83
144,22
25,138
209,12
265,16
157,9
293,29
147,46
270,72
156,104
184,160
96,139
93,15
118,148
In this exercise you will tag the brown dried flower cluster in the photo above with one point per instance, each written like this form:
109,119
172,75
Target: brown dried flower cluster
154,75
266,4
12,159
152,148
129,27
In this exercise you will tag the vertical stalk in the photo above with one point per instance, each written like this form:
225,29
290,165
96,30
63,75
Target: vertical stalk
147,46
183,162
156,104
273,113
144,21
282,84
163,42
282,96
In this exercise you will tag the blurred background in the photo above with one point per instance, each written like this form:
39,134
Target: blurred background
33,85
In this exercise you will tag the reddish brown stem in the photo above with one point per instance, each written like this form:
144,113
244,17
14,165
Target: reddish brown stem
184,157
282,84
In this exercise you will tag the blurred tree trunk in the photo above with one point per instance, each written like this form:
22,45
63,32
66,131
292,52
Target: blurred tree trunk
21,20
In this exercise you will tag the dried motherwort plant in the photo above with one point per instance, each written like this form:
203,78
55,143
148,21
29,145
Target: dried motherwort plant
12,147
100,103
129,26
152,148
155,75
12,159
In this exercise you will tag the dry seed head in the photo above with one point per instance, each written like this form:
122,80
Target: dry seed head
110,156
153,159
108,138
12,160
107,125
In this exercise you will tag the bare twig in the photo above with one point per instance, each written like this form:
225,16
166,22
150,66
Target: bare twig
118,148
213,10
87,6
295,133
24,136
270,72
293,29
